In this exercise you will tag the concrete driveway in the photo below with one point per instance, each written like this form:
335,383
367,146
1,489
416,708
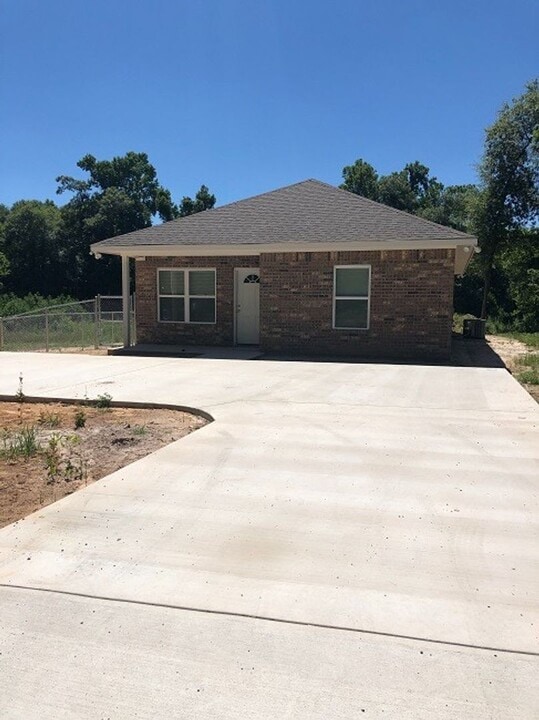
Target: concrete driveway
343,539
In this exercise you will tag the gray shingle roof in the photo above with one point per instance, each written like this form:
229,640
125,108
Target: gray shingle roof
307,212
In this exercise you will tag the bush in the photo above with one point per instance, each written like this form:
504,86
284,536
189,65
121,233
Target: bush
458,321
104,401
10,304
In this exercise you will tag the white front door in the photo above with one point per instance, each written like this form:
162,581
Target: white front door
247,306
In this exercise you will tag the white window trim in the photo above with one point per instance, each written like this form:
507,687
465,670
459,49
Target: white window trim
350,297
186,296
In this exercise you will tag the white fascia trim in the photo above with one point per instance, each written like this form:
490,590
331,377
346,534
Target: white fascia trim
258,249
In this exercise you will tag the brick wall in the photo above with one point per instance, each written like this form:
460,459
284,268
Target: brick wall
149,330
411,303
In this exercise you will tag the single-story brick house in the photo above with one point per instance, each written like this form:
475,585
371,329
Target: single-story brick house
307,269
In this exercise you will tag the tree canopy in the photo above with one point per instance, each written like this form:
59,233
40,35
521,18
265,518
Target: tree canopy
31,244
4,262
509,171
413,190
45,248
118,196
362,179
204,200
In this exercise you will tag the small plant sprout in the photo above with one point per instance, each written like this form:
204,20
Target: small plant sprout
104,401
19,395
52,458
80,418
49,419
62,462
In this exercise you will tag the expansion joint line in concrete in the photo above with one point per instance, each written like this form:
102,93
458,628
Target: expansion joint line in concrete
267,618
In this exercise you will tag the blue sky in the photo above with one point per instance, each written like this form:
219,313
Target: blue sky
249,95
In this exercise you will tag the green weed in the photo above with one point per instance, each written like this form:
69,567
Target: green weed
529,360
80,418
49,419
104,401
529,377
529,339
61,460
21,443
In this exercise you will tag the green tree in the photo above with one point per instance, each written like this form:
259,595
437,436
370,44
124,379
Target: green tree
509,171
4,269
518,266
131,175
411,189
4,212
362,179
453,207
118,196
396,192
31,246
4,262
204,200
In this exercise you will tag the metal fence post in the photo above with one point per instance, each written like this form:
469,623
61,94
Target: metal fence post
47,339
97,320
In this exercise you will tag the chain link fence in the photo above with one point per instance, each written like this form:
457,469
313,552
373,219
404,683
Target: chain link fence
72,326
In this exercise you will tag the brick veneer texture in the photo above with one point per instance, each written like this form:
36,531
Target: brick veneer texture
411,304
149,330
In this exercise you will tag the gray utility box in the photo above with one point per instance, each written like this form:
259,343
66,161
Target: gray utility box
474,328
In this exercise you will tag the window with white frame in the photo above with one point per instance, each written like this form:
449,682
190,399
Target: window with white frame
186,296
351,290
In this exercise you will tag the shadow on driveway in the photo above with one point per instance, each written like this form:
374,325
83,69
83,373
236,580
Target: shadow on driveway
465,352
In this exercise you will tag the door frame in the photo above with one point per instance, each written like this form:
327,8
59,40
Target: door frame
236,284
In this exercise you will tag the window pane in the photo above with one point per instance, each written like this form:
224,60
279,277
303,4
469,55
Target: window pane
171,309
352,281
201,282
351,313
202,310
171,282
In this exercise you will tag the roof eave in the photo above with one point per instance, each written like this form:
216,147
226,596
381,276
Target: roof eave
176,249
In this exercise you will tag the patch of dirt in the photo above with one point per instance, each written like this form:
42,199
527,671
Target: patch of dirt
70,458
510,351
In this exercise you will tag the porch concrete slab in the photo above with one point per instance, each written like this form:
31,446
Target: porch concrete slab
394,500
239,352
